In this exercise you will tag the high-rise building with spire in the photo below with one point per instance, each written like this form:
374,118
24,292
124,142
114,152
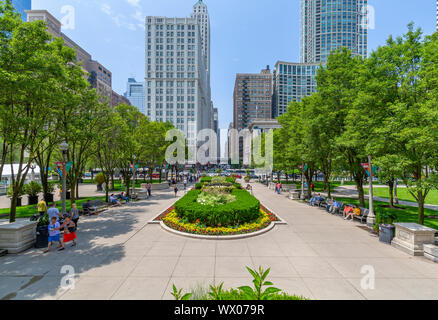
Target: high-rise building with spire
177,84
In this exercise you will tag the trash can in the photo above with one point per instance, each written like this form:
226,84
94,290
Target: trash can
42,237
386,233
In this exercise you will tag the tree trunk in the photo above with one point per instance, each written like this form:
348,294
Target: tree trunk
421,200
391,193
359,186
13,210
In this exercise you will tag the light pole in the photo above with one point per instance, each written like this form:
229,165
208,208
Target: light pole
303,197
64,148
371,219
133,176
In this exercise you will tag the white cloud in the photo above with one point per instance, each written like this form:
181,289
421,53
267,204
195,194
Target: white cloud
106,8
134,3
138,16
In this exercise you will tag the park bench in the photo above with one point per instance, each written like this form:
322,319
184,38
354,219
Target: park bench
340,209
96,207
363,215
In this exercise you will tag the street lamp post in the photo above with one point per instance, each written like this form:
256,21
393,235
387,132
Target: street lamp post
371,219
64,148
302,196
133,176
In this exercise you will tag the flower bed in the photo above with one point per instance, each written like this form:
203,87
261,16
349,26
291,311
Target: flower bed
171,219
244,209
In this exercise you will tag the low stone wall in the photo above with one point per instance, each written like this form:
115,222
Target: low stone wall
18,236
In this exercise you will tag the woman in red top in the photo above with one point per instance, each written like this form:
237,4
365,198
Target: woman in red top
69,231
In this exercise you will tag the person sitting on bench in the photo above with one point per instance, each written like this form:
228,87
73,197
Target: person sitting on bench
113,200
88,208
123,197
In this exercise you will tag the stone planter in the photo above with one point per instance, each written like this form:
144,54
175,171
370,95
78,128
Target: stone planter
48,198
18,236
32,200
431,252
411,237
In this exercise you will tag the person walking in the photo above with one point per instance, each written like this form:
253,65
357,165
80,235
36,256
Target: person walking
54,212
149,189
54,233
74,214
185,183
175,189
69,232
42,207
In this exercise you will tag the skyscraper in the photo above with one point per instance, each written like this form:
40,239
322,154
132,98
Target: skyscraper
327,25
200,13
177,74
292,82
252,98
135,93
21,5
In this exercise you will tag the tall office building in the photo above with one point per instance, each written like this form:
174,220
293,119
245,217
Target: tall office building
135,93
200,13
99,77
292,82
252,98
21,6
327,25
177,80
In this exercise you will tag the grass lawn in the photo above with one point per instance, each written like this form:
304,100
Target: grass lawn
28,211
403,194
408,214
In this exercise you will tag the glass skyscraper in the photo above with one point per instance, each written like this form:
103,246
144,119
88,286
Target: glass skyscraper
135,93
292,82
327,25
21,5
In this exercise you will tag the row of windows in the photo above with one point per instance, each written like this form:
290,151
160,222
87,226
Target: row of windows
171,53
170,84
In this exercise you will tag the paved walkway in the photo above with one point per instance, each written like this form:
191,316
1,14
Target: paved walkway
316,255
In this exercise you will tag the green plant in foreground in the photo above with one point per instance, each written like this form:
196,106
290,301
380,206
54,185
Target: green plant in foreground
257,292
178,294
216,292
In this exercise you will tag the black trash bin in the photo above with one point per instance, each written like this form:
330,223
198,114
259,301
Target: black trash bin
386,233
42,237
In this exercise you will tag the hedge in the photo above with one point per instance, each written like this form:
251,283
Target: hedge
245,209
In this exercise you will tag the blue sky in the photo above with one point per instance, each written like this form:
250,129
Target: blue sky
246,35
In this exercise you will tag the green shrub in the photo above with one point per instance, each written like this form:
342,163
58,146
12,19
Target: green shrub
199,186
245,209
206,180
100,178
32,189
10,191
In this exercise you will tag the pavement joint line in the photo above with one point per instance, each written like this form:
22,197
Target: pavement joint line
174,268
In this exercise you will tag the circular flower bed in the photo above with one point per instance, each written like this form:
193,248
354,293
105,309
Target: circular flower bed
171,219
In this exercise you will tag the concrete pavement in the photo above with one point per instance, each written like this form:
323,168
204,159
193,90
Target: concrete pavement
120,256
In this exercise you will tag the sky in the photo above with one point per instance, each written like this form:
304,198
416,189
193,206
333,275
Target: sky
246,35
